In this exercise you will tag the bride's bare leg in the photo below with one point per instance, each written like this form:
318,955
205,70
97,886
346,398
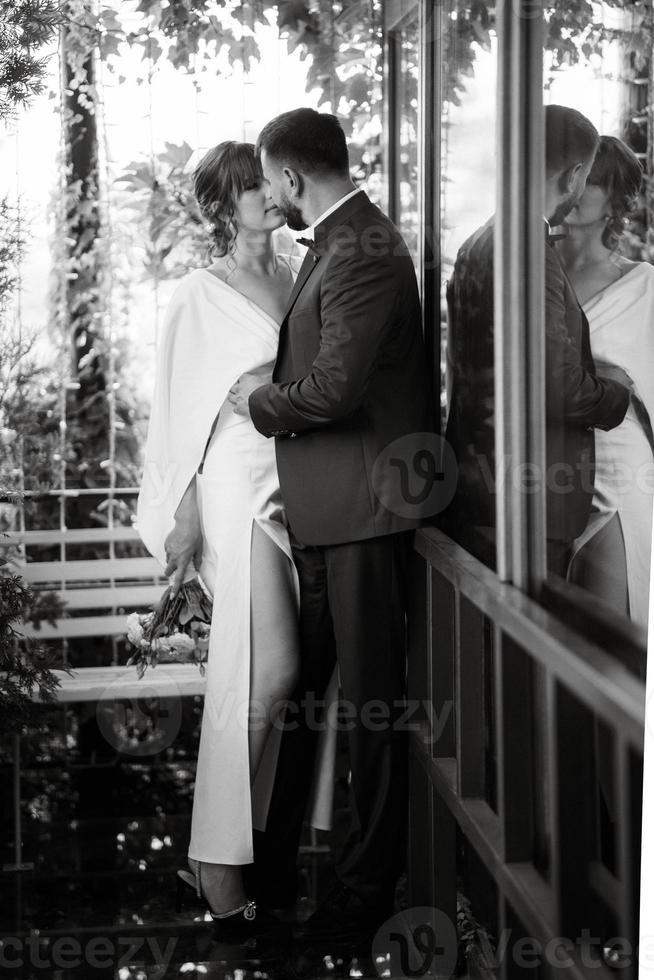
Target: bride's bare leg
274,659
221,885
274,633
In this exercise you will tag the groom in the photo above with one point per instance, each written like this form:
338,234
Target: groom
349,380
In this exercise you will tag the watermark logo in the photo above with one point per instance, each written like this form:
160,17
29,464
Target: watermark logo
142,724
416,475
417,942
54,957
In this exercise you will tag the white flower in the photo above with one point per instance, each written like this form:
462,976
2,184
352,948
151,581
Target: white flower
177,643
134,629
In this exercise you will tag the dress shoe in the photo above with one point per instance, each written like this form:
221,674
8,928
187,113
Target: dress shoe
231,926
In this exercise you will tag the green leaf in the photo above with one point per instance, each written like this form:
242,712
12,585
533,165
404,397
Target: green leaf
176,155
293,14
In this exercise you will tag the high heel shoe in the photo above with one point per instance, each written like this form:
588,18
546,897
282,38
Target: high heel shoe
234,924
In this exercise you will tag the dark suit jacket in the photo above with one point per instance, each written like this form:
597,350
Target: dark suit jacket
350,377
576,400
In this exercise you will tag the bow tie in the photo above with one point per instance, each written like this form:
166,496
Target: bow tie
307,242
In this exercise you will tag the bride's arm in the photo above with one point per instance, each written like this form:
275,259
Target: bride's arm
184,543
176,431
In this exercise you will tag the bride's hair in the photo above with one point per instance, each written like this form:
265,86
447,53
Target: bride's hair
619,173
219,179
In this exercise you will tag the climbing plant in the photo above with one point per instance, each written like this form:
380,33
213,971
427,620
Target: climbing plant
173,236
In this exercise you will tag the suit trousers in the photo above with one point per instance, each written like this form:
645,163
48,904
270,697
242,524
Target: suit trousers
352,612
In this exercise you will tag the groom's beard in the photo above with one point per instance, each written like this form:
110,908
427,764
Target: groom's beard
562,211
293,215
564,208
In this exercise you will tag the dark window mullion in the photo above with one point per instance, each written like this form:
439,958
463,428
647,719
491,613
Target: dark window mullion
519,291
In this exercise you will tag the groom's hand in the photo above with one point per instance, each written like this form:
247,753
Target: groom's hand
240,392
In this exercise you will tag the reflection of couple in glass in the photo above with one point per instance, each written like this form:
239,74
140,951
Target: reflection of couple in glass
599,379
304,560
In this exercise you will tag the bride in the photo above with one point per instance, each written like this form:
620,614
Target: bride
612,557
210,498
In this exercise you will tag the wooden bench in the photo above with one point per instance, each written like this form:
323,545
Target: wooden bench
110,587
104,683
115,586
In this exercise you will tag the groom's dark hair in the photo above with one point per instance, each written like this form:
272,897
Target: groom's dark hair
570,139
309,141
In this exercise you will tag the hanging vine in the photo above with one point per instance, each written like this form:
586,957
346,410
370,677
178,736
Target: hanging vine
84,272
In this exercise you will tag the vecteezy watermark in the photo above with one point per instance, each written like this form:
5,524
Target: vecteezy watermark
340,715
530,953
142,724
418,942
96,953
558,477
416,475
150,723
423,942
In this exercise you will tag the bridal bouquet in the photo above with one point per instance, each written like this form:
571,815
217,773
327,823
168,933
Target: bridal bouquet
176,631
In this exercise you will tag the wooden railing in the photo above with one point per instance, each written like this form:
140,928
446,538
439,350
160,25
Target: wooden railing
526,771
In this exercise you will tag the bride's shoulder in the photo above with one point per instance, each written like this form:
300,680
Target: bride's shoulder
188,280
186,297
191,282
643,272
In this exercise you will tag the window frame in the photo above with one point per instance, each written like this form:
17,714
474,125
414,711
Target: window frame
399,14
520,295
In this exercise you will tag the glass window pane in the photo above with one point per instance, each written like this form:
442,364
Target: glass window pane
600,470
467,203
405,40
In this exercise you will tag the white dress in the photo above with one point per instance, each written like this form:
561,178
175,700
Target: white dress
211,335
621,320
